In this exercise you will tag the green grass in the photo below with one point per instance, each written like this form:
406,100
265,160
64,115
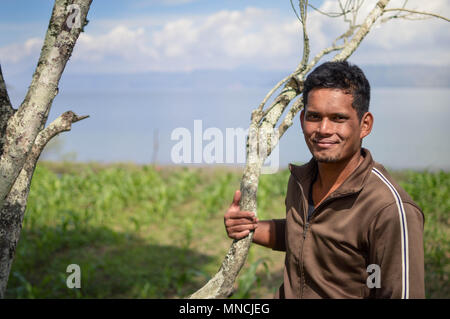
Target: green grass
146,232
431,191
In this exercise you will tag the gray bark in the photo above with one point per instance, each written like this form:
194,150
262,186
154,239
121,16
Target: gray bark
23,134
24,125
6,110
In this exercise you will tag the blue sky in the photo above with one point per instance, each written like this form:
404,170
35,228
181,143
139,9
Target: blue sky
180,35
245,38
29,18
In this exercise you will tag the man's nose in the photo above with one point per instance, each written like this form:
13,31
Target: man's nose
325,127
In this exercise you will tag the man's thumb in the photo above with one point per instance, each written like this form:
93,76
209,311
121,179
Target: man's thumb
237,197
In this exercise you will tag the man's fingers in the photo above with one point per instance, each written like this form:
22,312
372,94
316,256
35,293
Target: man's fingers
240,235
231,213
241,221
241,228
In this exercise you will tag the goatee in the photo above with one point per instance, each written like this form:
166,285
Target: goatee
323,159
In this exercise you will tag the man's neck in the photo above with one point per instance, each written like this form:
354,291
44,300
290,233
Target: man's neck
331,175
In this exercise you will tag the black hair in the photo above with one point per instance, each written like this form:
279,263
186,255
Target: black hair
340,75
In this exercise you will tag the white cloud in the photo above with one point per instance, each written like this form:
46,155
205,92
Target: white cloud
252,37
225,39
120,42
16,53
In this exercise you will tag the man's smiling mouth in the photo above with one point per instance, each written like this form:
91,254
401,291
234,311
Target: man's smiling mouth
324,143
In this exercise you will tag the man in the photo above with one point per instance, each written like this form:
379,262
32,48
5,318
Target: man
350,231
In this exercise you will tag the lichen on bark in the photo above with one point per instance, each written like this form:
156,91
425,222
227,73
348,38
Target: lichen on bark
23,132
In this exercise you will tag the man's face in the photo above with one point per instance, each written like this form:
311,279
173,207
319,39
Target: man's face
331,126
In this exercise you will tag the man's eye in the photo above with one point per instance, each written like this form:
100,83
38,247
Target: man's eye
340,118
312,117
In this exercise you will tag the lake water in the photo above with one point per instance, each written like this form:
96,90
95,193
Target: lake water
411,128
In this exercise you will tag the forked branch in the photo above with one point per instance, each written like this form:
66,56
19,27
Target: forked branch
22,132
13,209
30,118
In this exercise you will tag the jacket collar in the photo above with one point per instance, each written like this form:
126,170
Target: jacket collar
306,173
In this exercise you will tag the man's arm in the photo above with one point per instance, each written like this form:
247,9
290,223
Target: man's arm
396,246
238,224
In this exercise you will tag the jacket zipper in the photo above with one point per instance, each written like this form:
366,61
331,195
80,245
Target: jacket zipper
303,283
305,228
305,231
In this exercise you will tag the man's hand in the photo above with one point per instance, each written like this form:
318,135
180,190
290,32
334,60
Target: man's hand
238,224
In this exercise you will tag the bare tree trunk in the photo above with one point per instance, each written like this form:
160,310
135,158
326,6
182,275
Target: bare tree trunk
23,136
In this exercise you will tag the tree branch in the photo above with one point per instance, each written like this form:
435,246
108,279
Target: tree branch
295,11
362,31
13,209
300,74
328,14
258,114
62,124
6,110
303,12
291,87
296,107
5,103
31,116
416,12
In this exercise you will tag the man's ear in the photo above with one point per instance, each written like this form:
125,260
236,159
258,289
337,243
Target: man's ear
366,124
302,117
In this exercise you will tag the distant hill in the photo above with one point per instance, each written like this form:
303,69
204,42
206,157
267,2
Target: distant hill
378,75
407,75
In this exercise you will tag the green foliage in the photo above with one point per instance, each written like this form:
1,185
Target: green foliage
71,217
270,189
146,232
217,194
431,191
251,280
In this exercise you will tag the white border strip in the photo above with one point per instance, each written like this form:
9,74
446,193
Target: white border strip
404,233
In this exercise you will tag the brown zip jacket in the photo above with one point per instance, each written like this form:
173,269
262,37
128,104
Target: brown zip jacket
365,240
